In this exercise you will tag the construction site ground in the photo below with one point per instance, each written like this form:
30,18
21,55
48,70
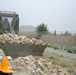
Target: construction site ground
60,52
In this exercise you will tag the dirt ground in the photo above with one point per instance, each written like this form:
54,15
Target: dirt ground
61,52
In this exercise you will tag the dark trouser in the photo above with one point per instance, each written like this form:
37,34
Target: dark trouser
5,30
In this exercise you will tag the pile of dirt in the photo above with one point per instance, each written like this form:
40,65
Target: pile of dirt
36,66
9,38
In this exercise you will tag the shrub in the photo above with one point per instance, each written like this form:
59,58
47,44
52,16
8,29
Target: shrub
41,30
70,49
5,48
55,46
60,60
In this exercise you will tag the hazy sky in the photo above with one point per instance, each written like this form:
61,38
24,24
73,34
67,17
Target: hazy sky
56,14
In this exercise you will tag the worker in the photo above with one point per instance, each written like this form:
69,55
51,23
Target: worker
6,27
0,25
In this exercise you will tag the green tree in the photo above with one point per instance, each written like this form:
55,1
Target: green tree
41,30
67,33
55,32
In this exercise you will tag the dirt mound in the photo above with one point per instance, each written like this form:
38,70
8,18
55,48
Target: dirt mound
36,66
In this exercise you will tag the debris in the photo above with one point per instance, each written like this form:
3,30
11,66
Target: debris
37,66
10,38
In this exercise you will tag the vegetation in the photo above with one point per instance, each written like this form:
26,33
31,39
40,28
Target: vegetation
71,49
66,34
55,32
41,29
60,60
55,46
5,48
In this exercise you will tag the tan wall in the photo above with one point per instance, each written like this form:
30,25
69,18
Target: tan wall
28,34
62,40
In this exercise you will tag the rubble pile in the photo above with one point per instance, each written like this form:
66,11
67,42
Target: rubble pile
9,38
36,66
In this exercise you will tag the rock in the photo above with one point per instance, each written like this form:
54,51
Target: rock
2,53
38,66
18,39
